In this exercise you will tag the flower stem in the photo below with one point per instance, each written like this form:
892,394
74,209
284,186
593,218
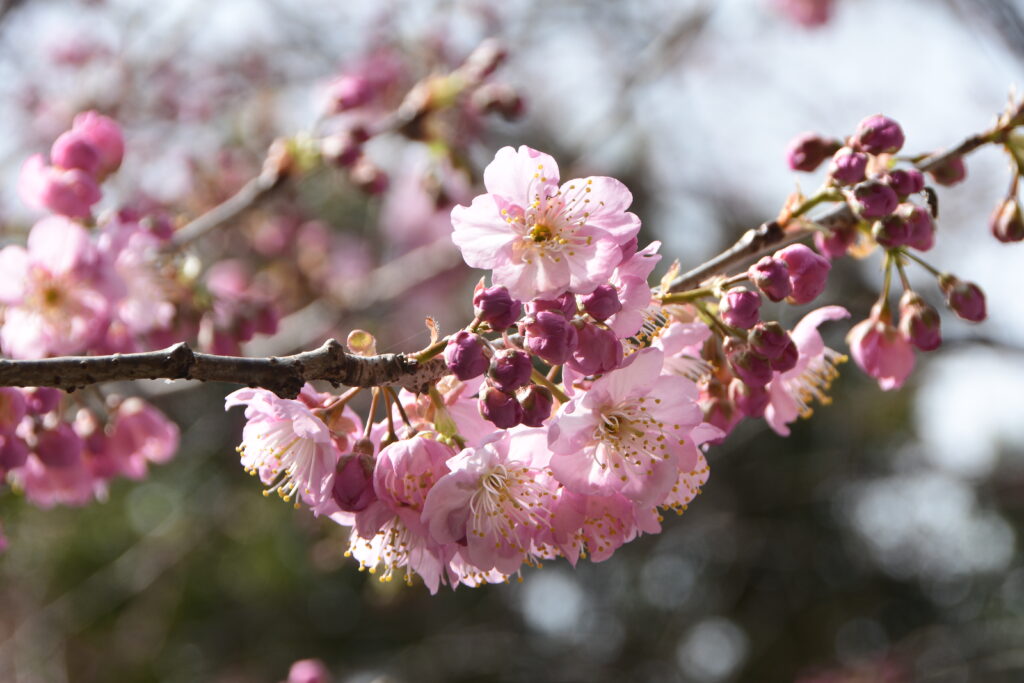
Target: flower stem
551,386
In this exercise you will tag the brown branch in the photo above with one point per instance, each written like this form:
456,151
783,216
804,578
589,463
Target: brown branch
936,160
283,375
754,243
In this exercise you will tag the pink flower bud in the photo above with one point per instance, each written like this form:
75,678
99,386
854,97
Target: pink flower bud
751,368
771,276
787,358
500,408
740,307
352,489
1007,223
66,192
550,336
905,181
808,272
964,298
881,351
598,351
59,447
879,135
106,137
564,304
13,453
751,401
308,671
891,232
537,403
836,242
602,303
348,92
465,355
808,150
510,370
848,167
919,323
72,150
768,339
12,408
874,199
496,307
950,172
920,226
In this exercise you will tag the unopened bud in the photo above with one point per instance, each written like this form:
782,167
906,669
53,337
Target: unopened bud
964,298
879,135
848,167
602,303
771,276
1007,223
750,367
807,151
905,181
598,351
950,172
353,478
874,199
510,370
740,307
787,358
465,355
550,336
768,339
537,403
496,307
751,401
808,272
891,232
920,226
500,408
919,322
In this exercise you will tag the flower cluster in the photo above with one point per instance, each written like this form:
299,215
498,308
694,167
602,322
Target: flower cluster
57,462
865,173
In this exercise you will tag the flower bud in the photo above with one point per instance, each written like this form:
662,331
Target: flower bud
771,276
751,368
12,408
500,408
740,307
919,323
751,401
496,307
13,453
537,403
808,150
768,339
881,351
353,478
510,369
949,172
598,351
105,136
905,181
835,242
72,150
59,447
348,92
890,232
879,135
41,400
920,226
964,298
808,272
848,167
874,199
550,336
465,355
66,192
787,358
602,303
1007,223
564,304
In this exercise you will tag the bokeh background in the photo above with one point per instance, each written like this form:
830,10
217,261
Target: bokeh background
880,542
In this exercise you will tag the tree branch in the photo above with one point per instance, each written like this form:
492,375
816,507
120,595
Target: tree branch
283,375
754,243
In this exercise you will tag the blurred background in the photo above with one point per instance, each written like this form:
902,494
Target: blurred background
879,543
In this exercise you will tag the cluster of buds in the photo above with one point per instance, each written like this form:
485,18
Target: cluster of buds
56,455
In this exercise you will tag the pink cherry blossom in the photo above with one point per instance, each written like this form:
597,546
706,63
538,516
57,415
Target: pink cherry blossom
395,544
287,445
627,433
54,304
68,192
539,239
791,392
597,525
630,280
141,434
494,499
881,350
